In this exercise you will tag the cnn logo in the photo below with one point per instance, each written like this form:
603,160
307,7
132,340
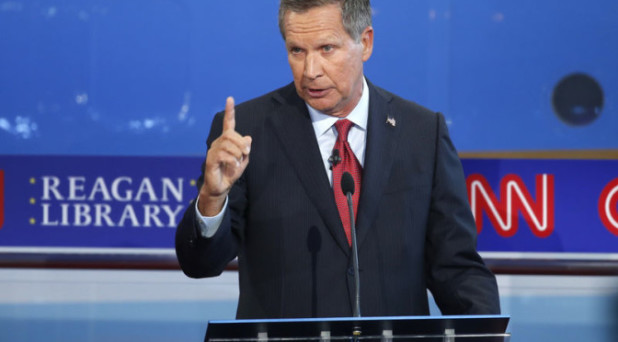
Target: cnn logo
514,198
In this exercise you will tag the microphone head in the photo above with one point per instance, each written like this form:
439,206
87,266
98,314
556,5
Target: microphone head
347,183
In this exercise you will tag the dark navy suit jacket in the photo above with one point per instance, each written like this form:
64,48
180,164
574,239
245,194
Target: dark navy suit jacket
415,229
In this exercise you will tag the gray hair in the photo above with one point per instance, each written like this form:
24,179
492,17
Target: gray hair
356,14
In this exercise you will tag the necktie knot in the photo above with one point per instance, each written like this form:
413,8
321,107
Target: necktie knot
343,127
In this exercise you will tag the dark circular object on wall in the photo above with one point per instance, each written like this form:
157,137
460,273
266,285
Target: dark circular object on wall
578,99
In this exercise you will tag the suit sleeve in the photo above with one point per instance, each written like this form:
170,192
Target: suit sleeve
456,274
207,257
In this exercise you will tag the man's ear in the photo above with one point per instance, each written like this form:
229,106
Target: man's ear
367,40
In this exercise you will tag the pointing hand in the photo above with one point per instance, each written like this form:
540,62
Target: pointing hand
227,159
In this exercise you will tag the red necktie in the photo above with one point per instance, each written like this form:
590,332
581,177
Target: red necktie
350,164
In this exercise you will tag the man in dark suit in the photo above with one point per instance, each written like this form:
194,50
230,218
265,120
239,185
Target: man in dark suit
278,213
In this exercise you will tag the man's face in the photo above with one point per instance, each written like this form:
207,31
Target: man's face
327,64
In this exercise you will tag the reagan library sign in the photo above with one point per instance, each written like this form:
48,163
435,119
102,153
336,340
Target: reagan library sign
118,202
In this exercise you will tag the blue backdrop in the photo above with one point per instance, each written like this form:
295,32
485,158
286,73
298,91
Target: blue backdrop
86,86
144,77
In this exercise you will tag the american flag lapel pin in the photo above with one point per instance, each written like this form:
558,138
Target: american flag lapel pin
391,121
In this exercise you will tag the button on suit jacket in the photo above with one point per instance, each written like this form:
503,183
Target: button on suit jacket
414,226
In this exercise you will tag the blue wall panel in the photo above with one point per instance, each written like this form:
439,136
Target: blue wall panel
144,77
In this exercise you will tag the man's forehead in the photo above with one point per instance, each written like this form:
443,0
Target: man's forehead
320,23
313,37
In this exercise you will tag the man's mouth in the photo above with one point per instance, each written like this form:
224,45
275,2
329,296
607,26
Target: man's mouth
317,92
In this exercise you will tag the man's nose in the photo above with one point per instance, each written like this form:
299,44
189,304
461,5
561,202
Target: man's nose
313,66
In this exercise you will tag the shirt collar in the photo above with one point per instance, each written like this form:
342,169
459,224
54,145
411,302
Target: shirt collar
359,115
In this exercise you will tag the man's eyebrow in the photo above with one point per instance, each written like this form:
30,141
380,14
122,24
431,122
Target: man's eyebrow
330,40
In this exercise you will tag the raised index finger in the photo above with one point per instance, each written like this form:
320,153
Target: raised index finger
229,118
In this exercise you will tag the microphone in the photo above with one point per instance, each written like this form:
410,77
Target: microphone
347,187
335,159
347,184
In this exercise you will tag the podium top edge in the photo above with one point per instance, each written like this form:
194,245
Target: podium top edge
353,319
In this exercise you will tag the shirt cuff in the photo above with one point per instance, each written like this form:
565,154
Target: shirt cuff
208,225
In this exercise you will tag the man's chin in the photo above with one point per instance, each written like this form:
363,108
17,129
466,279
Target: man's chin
321,105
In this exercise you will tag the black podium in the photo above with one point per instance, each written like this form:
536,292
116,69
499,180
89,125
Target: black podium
413,328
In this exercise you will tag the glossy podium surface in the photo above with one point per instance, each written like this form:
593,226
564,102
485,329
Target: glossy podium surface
417,328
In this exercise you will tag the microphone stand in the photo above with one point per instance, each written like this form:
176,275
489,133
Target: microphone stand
354,258
347,187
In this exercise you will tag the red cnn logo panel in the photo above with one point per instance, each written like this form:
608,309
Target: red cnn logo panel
514,198
1,198
608,206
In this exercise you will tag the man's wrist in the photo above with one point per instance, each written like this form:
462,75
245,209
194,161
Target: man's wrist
209,225
210,206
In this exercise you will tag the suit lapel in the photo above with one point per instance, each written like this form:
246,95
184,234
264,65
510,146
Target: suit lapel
292,125
380,150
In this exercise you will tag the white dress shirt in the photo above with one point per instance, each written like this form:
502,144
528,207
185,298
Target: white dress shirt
326,135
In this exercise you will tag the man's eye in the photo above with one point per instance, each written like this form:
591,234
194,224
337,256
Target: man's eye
295,50
327,48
